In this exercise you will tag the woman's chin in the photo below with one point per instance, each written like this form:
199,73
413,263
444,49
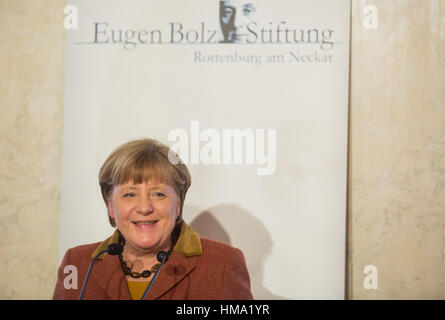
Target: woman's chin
146,245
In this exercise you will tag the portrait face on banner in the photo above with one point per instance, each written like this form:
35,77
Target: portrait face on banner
234,17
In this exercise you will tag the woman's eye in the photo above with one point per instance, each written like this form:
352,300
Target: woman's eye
129,195
159,194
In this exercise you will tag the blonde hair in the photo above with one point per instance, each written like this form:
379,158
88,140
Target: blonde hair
139,161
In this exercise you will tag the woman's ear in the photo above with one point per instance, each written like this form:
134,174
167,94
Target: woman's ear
178,207
110,209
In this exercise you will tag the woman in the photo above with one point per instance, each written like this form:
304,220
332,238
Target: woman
144,193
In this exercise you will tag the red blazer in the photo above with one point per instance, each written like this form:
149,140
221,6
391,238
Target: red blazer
198,269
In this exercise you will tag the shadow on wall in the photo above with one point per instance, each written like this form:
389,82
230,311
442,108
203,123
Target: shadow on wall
237,227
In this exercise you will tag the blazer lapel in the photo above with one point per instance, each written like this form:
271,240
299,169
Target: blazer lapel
110,278
174,271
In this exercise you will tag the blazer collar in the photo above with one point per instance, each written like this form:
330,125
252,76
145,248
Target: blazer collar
112,280
188,244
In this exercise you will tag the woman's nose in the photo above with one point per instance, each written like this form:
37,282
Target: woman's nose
144,205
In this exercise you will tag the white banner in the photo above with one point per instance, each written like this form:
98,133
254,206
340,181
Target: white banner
252,94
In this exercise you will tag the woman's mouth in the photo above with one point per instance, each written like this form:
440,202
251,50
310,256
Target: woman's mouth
145,224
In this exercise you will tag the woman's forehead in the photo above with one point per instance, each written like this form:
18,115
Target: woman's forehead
143,172
152,183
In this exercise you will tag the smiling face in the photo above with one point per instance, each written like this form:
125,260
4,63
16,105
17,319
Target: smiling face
234,16
145,214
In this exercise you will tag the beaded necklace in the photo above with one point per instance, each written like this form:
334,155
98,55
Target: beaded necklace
146,273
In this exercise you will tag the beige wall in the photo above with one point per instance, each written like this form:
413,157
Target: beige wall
397,148
31,118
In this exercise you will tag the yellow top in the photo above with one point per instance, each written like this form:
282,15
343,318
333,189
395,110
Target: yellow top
137,289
